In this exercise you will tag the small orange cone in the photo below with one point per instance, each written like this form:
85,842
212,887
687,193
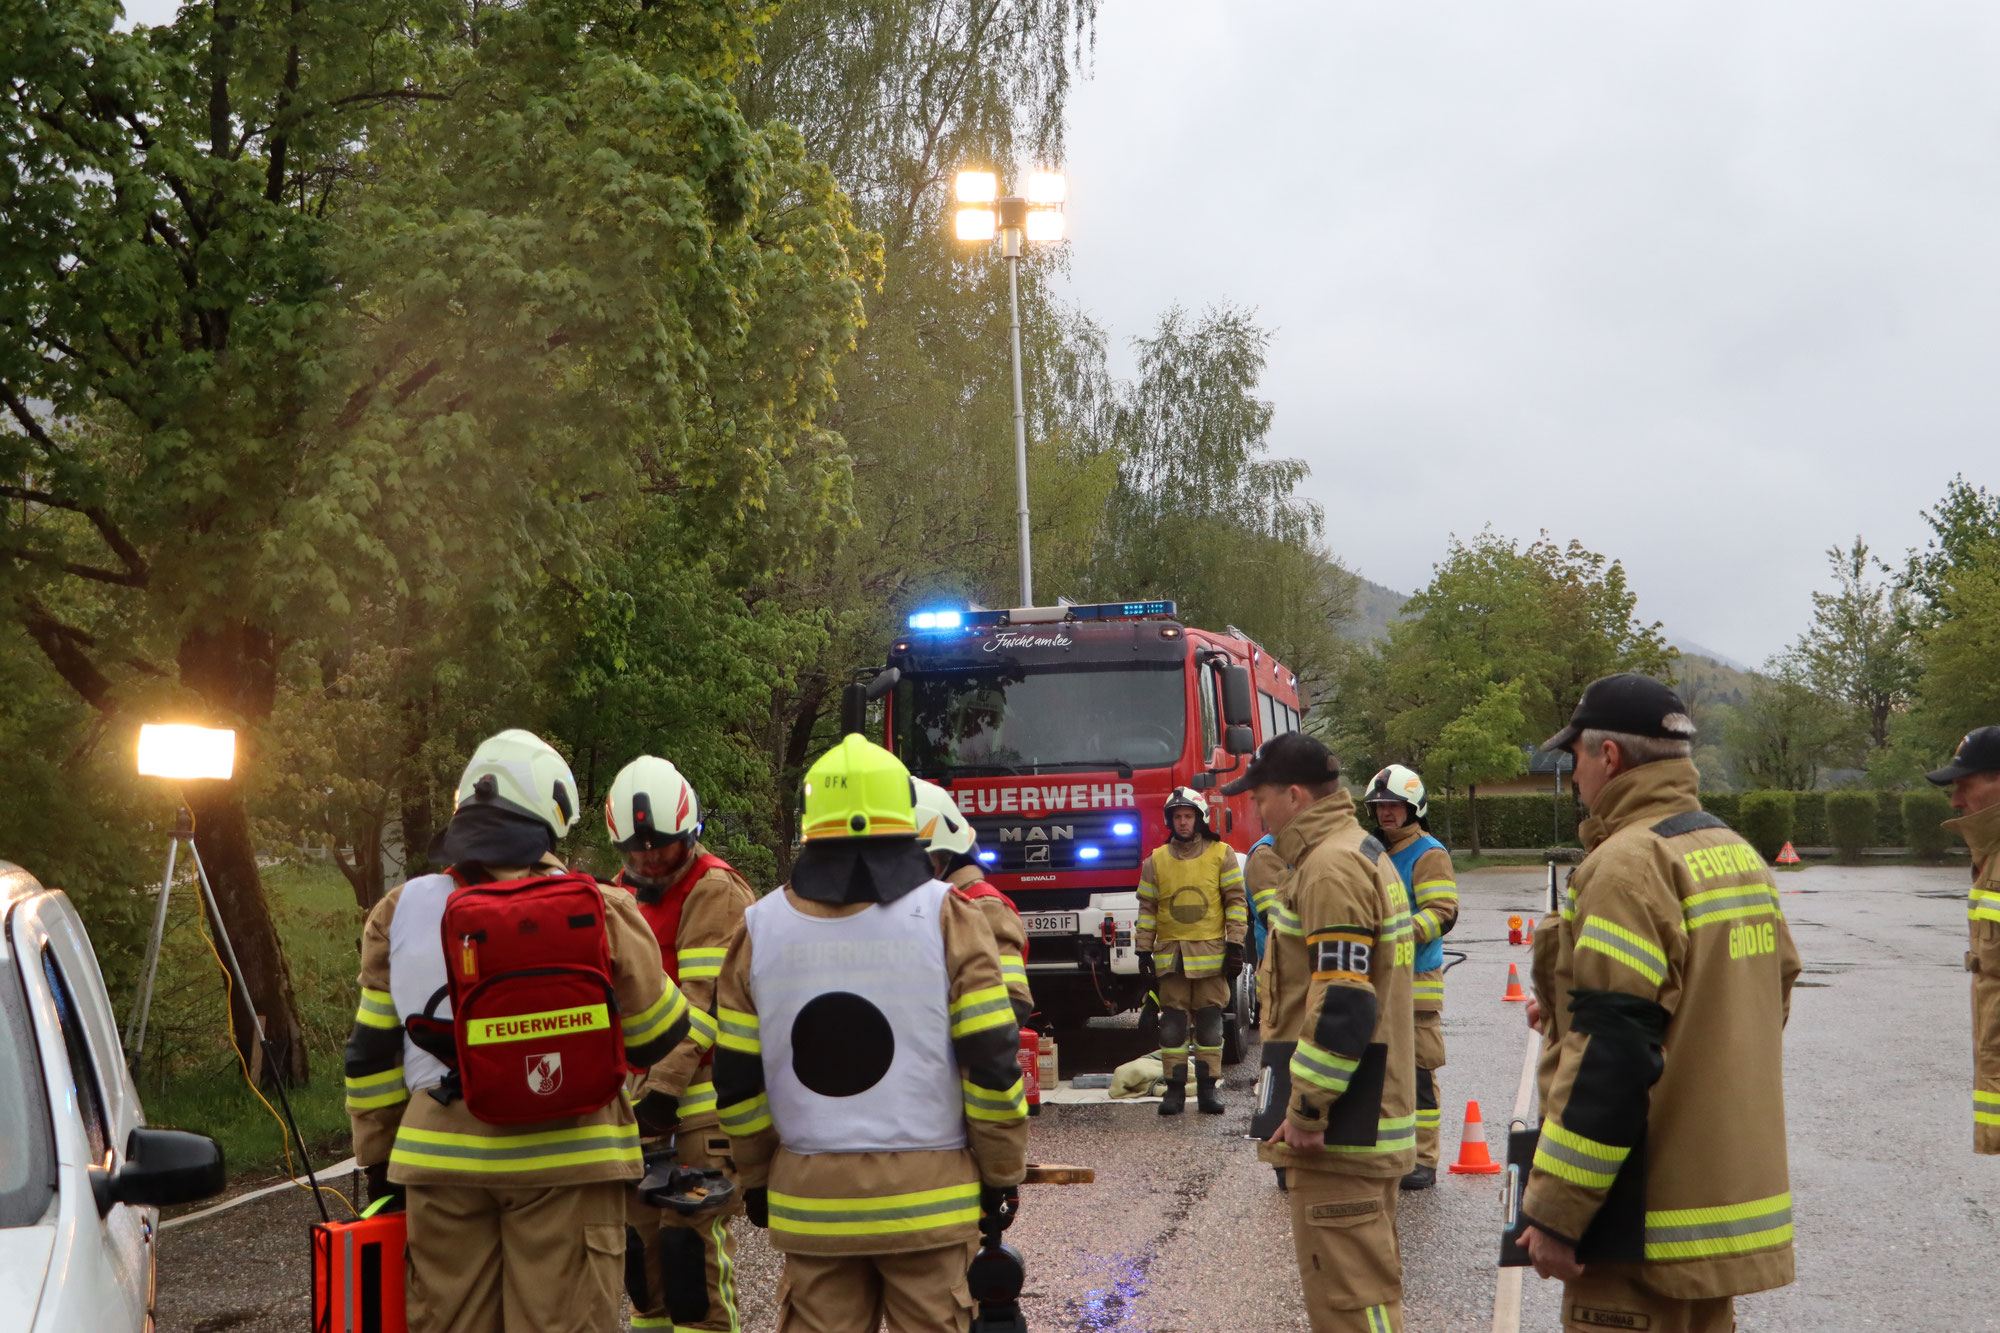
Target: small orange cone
1514,995
1788,857
1473,1159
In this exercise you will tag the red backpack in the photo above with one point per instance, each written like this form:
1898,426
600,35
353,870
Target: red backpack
535,1030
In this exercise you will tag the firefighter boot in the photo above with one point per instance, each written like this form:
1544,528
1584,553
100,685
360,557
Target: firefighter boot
1206,1099
1174,1100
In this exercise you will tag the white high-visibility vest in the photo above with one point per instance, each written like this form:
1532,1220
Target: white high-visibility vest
829,991
417,969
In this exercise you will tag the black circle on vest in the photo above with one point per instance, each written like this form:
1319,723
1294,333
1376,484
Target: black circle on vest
841,1045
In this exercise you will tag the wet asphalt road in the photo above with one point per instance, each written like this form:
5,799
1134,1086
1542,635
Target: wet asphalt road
1185,1231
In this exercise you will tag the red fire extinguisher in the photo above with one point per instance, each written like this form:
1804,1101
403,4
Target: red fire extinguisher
1030,1055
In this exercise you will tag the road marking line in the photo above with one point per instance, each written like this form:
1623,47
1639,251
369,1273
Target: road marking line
1507,1288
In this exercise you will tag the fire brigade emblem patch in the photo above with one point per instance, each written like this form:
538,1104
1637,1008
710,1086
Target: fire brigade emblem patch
545,1073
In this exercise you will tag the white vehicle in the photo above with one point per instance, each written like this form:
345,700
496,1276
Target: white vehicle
81,1176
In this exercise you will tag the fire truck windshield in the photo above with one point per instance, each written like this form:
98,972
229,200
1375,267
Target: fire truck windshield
1032,719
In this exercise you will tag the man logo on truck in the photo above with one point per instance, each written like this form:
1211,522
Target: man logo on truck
1039,833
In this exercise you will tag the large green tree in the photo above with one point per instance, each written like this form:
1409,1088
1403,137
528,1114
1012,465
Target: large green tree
317,318
897,96
1549,616
1787,732
1202,513
1859,646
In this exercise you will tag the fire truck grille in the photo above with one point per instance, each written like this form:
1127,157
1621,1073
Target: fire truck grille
1087,840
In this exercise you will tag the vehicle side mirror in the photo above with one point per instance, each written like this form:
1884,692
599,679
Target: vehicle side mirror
1238,740
1202,781
162,1166
1239,701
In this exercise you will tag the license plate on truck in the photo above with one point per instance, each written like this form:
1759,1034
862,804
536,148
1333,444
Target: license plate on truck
1050,923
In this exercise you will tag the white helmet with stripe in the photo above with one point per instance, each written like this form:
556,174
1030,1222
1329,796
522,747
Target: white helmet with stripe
941,825
651,805
1397,784
519,771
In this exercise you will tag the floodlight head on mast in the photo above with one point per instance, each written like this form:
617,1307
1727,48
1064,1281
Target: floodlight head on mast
186,753
1035,214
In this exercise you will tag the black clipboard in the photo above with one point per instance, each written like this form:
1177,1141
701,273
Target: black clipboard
1355,1119
1617,1235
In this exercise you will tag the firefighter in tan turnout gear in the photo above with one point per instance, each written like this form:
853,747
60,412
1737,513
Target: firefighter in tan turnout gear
680,1271
1336,988
1974,777
1401,809
1193,916
1663,1026
516,1223
867,1064
947,835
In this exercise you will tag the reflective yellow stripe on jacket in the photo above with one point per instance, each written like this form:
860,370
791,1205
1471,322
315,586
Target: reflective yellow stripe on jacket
1624,946
1705,1233
368,1092
376,1010
999,1107
888,1215
698,1100
700,964
652,1022
701,1028
1392,1134
1985,1107
484,1154
1983,905
738,1031
1570,1156
976,1011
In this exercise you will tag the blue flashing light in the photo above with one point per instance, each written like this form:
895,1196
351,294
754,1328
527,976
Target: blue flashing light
1124,828
937,619
988,858
1087,853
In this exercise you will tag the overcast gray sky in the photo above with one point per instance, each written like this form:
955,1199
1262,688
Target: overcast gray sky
1710,286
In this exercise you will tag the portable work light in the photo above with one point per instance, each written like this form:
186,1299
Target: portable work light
172,750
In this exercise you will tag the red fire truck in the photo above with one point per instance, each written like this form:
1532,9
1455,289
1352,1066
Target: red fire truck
1062,730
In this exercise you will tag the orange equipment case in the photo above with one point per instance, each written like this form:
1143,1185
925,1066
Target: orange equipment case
357,1274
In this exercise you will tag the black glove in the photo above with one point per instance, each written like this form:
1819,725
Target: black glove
658,1113
1232,959
379,1186
1146,965
1001,1201
757,1206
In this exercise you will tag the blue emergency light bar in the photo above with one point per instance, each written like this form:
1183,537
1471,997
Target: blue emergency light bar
1042,615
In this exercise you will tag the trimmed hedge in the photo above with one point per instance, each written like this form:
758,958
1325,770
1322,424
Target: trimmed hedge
1767,820
1524,820
1851,822
1923,812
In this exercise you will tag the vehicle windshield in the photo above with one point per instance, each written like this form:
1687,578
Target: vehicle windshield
27,1150
1033,719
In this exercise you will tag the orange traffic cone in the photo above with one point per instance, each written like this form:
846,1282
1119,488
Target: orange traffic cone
1473,1159
1788,857
1514,995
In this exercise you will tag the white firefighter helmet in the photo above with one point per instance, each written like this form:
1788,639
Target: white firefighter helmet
941,825
651,805
1186,798
1399,784
519,771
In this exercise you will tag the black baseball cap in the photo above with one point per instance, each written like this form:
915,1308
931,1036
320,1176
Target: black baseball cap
1979,752
1629,703
1293,758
